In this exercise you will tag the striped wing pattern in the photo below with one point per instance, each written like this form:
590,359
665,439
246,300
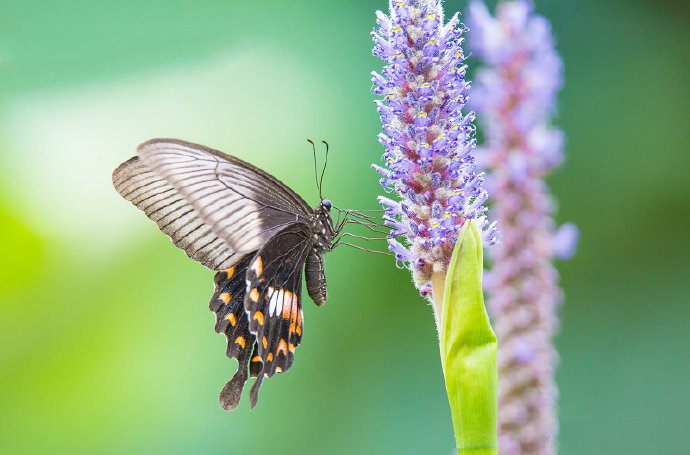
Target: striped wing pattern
172,213
242,204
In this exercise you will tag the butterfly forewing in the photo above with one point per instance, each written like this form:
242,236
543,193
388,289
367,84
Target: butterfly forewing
172,213
242,204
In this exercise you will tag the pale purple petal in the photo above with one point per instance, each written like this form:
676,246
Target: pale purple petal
564,241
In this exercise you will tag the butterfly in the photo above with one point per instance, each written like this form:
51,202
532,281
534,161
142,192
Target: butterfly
256,233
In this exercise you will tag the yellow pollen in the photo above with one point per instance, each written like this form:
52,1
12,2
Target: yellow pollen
431,16
421,114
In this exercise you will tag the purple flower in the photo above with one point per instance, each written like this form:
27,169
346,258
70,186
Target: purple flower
515,98
428,140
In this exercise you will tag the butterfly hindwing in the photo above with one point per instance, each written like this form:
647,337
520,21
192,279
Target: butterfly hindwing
273,300
231,319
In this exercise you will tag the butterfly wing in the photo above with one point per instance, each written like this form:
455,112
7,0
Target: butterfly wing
173,214
231,319
273,300
242,204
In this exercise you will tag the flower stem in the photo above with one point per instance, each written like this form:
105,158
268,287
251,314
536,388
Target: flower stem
438,283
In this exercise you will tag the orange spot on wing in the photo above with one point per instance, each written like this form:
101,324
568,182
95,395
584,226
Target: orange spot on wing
259,316
282,346
254,295
231,317
225,297
230,272
279,370
296,322
269,358
264,342
258,266
291,347
240,341
289,305
256,358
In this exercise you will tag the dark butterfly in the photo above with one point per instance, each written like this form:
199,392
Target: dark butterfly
254,231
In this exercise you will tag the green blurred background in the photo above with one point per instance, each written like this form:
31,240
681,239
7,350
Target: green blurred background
106,342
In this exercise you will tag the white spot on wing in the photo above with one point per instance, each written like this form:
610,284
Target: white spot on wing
272,301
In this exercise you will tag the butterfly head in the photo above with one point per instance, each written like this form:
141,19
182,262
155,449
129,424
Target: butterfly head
326,204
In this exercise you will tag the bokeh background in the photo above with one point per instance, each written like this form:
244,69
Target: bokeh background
106,342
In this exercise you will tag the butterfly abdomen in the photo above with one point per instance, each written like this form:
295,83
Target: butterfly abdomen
316,278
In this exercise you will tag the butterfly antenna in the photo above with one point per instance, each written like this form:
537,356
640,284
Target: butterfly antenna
324,169
316,172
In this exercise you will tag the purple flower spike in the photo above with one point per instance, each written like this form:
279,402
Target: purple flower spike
515,96
428,140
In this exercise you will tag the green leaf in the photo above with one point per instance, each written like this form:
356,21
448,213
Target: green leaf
468,348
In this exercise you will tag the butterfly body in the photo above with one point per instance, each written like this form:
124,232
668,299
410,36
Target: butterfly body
253,230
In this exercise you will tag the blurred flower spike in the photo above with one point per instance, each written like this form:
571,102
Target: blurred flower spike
515,97
428,140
